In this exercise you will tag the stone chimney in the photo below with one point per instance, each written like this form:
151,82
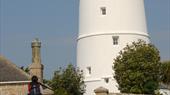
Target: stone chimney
36,68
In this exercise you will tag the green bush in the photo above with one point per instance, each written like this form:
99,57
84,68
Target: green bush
137,68
68,81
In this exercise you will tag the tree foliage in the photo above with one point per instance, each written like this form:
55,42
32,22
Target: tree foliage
165,72
137,68
25,69
68,81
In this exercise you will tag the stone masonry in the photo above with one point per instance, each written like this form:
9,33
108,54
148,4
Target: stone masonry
14,89
104,91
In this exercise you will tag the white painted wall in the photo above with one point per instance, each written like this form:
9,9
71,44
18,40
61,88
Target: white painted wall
164,91
121,16
95,49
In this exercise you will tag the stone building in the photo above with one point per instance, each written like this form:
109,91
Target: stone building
164,89
14,81
103,91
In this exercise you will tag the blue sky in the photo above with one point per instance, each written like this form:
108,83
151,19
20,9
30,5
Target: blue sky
55,23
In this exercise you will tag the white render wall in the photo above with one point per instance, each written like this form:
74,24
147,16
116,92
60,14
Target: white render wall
95,49
98,52
121,16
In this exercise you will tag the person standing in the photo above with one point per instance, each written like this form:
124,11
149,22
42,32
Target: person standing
34,87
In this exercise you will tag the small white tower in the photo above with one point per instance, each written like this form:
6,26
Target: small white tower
105,28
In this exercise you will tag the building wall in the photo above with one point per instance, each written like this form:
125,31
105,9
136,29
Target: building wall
164,91
96,51
126,94
19,89
103,91
119,94
14,89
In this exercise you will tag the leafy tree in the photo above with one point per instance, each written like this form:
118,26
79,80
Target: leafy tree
25,69
46,81
137,68
165,72
61,91
68,81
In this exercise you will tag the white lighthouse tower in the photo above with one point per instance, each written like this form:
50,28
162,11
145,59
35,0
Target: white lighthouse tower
105,28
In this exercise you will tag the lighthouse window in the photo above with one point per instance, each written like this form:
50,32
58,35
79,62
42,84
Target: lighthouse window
88,70
103,10
115,40
106,80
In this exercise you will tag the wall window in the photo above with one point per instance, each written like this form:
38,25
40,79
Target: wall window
115,40
103,10
88,70
106,80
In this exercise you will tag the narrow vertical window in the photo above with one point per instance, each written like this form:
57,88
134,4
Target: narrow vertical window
88,70
115,40
103,10
106,80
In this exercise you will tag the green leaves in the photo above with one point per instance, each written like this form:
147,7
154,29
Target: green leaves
165,72
68,81
25,69
137,68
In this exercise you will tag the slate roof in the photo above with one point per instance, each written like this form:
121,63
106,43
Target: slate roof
10,72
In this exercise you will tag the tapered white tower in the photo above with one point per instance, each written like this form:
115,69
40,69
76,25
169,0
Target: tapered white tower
105,28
